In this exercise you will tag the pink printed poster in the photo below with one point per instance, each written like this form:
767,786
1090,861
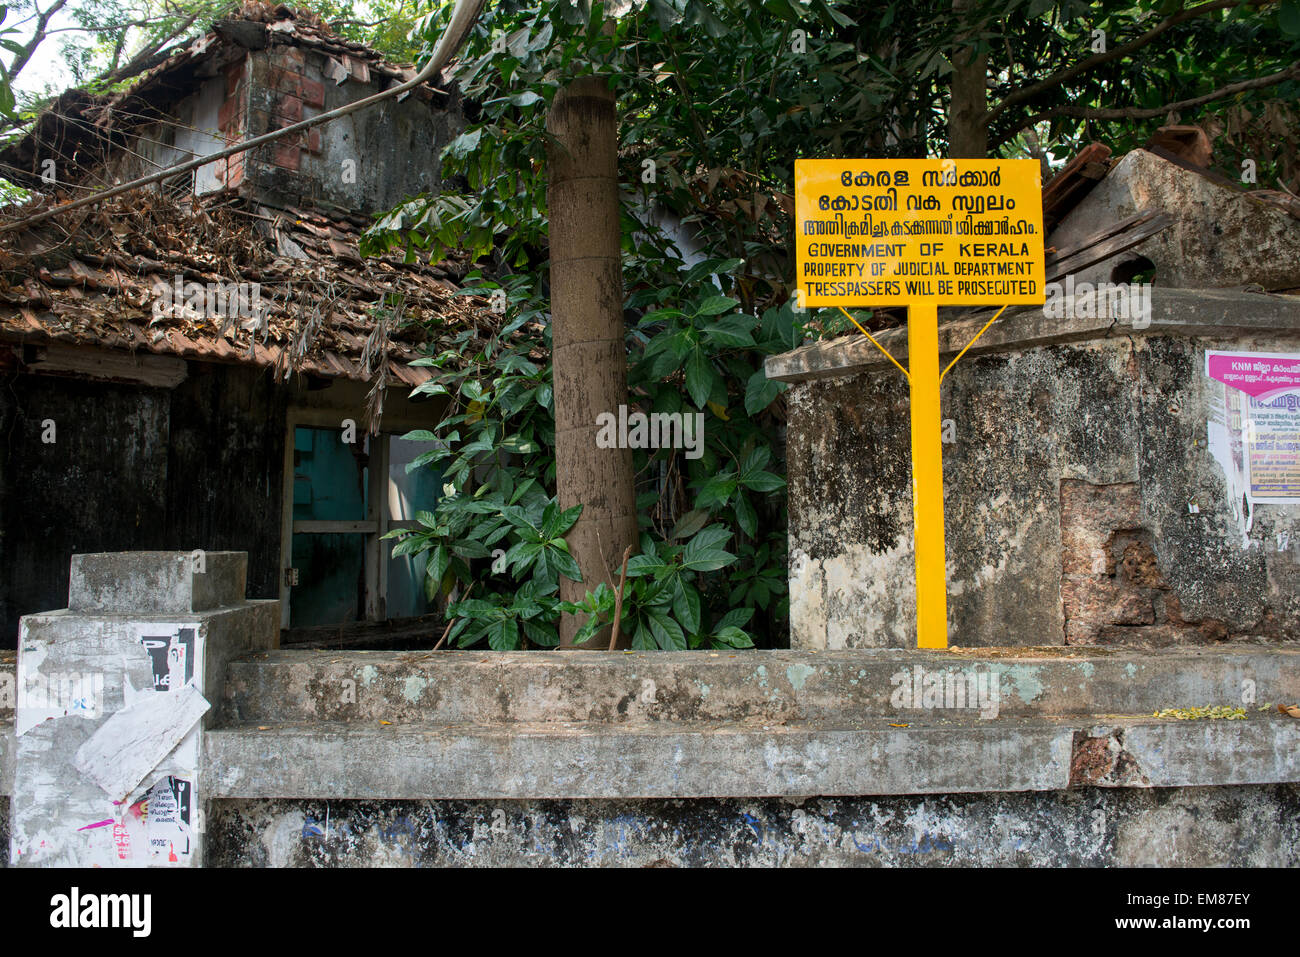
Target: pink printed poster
1254,427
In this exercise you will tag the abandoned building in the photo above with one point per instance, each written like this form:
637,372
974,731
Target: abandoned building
1138,588
140,417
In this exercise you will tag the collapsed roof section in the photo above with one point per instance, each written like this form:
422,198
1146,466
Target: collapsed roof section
257,261
80,130
1214,233
125,274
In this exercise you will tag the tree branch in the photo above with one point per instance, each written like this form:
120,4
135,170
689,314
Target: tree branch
401,9
1143,113
107,27
1083,66
618,601
148,56
42,21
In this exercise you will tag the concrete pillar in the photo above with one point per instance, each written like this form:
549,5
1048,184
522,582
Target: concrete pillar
113,694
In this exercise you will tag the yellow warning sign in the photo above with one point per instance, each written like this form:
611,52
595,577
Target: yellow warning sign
905,231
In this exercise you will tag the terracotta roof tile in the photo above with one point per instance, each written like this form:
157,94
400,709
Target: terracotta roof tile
85,281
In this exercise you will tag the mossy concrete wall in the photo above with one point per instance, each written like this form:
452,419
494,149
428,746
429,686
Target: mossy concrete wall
1081,502
1168,827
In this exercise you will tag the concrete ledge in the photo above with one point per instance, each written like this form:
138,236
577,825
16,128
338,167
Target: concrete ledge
834,686
566,761
1177,753
155,582
330,761
576,725
1212,313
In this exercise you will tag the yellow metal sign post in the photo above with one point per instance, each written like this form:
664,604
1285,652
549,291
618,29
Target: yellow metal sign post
920,233
927,477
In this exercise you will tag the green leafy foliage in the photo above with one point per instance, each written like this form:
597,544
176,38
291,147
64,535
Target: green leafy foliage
716,98
495,539
10,45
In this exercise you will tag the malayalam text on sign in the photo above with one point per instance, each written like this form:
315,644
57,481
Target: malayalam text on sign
889,232
1254,425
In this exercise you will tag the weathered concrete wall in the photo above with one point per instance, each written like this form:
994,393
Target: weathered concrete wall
1169,827
340,690
364,163
361,164
8,702
539,725
115,705
1081,502
329,759
8,665
196,129
136,468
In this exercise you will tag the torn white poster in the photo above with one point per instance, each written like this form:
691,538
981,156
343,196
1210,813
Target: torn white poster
134,741
42,694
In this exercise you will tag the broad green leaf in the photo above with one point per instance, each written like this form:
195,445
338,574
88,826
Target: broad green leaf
565,564
710,267
699,377
644,565
711,537
761,481
760,391
731,331
689,524
717,490
746,517
736,618
504,635
668,634
686,606
544,636
643,638
716,305
733,638
464,144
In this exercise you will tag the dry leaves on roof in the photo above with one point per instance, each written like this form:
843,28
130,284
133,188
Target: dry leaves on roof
108,275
